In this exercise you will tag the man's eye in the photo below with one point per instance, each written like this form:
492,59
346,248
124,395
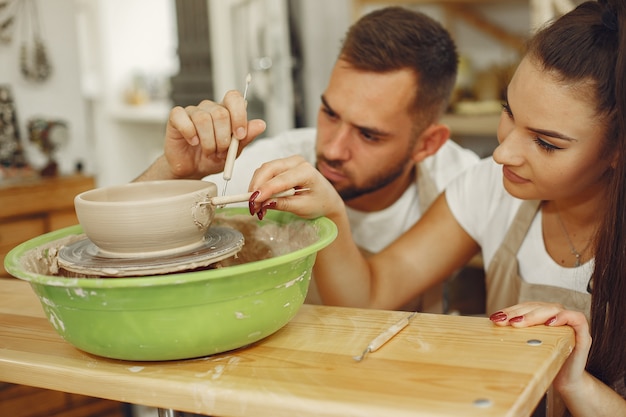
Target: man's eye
329,112
369,136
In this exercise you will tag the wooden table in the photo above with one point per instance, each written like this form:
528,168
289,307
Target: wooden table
437,366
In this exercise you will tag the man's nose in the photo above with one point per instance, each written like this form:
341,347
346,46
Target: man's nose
337,145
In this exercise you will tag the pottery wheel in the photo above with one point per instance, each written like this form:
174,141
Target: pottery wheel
84,257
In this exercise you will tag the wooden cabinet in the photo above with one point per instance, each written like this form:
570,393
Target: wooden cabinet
31,207
25,401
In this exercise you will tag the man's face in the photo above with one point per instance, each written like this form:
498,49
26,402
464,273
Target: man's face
365,133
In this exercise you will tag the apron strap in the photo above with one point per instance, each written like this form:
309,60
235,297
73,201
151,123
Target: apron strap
503,284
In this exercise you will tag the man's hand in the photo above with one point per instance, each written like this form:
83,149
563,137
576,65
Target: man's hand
197,138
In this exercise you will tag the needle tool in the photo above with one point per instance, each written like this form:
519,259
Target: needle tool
384,337
233,147
240,198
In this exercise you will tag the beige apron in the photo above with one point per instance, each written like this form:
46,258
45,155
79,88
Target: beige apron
504,285
506,288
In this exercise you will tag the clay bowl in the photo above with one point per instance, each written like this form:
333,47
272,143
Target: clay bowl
177,316
146,218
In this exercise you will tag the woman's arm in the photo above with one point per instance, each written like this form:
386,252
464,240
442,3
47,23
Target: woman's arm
583,394
426,254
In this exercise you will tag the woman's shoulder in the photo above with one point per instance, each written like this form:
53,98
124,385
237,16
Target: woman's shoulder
478,199
483,178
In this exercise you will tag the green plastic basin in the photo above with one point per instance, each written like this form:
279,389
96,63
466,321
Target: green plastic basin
178,316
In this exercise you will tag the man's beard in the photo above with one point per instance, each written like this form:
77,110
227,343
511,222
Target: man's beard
374,184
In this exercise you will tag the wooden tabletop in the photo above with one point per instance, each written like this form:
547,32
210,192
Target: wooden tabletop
437,366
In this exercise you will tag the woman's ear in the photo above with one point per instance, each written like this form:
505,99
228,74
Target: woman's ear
430,140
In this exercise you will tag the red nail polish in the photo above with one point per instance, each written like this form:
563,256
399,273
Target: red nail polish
260,214
550,321
498,316
251,202
517,319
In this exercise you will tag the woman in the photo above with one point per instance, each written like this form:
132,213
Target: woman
534,210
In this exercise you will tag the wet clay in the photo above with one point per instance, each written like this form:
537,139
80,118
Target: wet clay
263,240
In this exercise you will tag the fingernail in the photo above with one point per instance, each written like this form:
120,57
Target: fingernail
264,207
517,319
240,133
251,202
195,141
270,205
498,316
550,321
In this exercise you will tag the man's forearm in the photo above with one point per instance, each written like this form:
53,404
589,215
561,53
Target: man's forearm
159,170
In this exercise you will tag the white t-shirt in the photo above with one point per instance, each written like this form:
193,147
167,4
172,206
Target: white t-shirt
485,210
371,230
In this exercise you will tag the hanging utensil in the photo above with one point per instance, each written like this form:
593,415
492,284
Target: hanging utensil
34,64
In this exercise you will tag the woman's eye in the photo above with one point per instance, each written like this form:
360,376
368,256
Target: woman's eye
546,145
507,109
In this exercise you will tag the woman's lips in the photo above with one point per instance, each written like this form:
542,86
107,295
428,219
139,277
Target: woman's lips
513,177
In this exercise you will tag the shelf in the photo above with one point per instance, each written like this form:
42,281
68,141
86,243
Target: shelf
472,125
458,9
150,112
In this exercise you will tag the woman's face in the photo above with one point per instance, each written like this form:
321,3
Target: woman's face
551,141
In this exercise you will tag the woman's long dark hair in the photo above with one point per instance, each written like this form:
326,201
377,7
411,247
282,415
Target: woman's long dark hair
586,48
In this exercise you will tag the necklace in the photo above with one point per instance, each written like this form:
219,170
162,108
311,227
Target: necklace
572,248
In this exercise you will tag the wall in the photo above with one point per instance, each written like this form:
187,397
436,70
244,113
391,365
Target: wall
60,96
97,45
123,40
324,23
322,26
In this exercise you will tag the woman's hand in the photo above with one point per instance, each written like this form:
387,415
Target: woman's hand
320,199
197,137
583,394
571,375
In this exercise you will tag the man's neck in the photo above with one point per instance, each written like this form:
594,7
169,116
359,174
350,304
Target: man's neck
384,197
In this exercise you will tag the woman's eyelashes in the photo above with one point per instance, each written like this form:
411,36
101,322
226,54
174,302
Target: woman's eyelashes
548,147
507,109
543,144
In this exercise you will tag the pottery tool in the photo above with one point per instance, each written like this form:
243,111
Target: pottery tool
384,337
240,198
233,147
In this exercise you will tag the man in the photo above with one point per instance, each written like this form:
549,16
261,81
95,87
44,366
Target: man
378,138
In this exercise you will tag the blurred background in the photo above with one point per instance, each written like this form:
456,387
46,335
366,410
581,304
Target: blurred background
86,87
98,77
